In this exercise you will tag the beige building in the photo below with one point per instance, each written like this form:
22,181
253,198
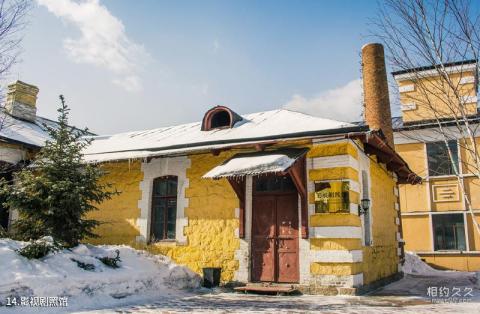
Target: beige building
436,222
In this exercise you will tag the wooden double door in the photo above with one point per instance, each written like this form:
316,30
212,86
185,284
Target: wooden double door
274,244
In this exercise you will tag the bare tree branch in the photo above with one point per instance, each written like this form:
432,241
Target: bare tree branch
435,33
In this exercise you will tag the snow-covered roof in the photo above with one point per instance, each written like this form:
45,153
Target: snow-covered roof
25,132
275,124
255,163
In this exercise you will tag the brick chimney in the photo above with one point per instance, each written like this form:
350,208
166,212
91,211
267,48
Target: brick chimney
21,101
375,89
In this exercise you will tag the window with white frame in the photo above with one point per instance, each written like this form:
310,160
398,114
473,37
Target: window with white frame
164,208
439,161
449,232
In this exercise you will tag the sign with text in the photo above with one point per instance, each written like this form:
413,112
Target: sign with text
332,197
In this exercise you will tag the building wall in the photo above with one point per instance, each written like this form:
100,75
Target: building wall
381,257
335,254
420,92
119,215
335,238
211,212
421,202
13,153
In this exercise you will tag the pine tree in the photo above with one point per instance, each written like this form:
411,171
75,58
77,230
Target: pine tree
54,194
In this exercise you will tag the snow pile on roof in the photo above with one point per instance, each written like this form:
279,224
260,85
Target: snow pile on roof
256,126
251,165
141,274
415,266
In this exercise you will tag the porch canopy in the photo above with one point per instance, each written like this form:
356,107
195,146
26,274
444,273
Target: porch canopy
257,163
289,161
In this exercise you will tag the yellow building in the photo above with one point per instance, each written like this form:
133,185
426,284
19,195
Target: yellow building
267,197
435,220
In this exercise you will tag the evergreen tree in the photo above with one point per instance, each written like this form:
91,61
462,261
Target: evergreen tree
54,194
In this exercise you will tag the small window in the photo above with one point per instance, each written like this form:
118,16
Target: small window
449,232
164,208
274,184
439,163
332,197
220,119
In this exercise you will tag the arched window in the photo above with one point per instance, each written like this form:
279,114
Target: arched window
164,208
219,117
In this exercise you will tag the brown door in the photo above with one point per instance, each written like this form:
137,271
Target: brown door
275,236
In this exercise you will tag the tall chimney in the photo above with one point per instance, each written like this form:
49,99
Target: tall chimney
375,89
21,101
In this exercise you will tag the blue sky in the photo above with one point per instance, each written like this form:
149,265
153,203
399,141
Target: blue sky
126,65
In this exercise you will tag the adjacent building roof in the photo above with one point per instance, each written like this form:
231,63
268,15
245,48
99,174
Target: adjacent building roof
30,134
431,67
260,126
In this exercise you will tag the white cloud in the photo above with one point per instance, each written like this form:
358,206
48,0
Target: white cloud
343,103
103,41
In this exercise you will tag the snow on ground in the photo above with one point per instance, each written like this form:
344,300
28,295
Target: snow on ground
415,266
140,276
408,295
153,284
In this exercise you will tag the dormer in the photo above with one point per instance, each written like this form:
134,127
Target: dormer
220,117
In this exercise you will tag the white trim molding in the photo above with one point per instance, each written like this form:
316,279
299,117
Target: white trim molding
347,280
243,252
406,88
409,106
158,167
433,72
467,80
469,99
334,162
336,232
336,256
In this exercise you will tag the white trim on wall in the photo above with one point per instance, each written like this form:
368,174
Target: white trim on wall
243,252
469,99
336,256
337,232
364,165
348,280
408,106
158,167
433,72
465,228
406,88
334,162
467,80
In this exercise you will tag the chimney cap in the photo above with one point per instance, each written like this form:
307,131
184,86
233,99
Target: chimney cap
21,83
371,44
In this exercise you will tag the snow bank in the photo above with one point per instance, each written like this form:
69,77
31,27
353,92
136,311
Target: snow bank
56,275
415,266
